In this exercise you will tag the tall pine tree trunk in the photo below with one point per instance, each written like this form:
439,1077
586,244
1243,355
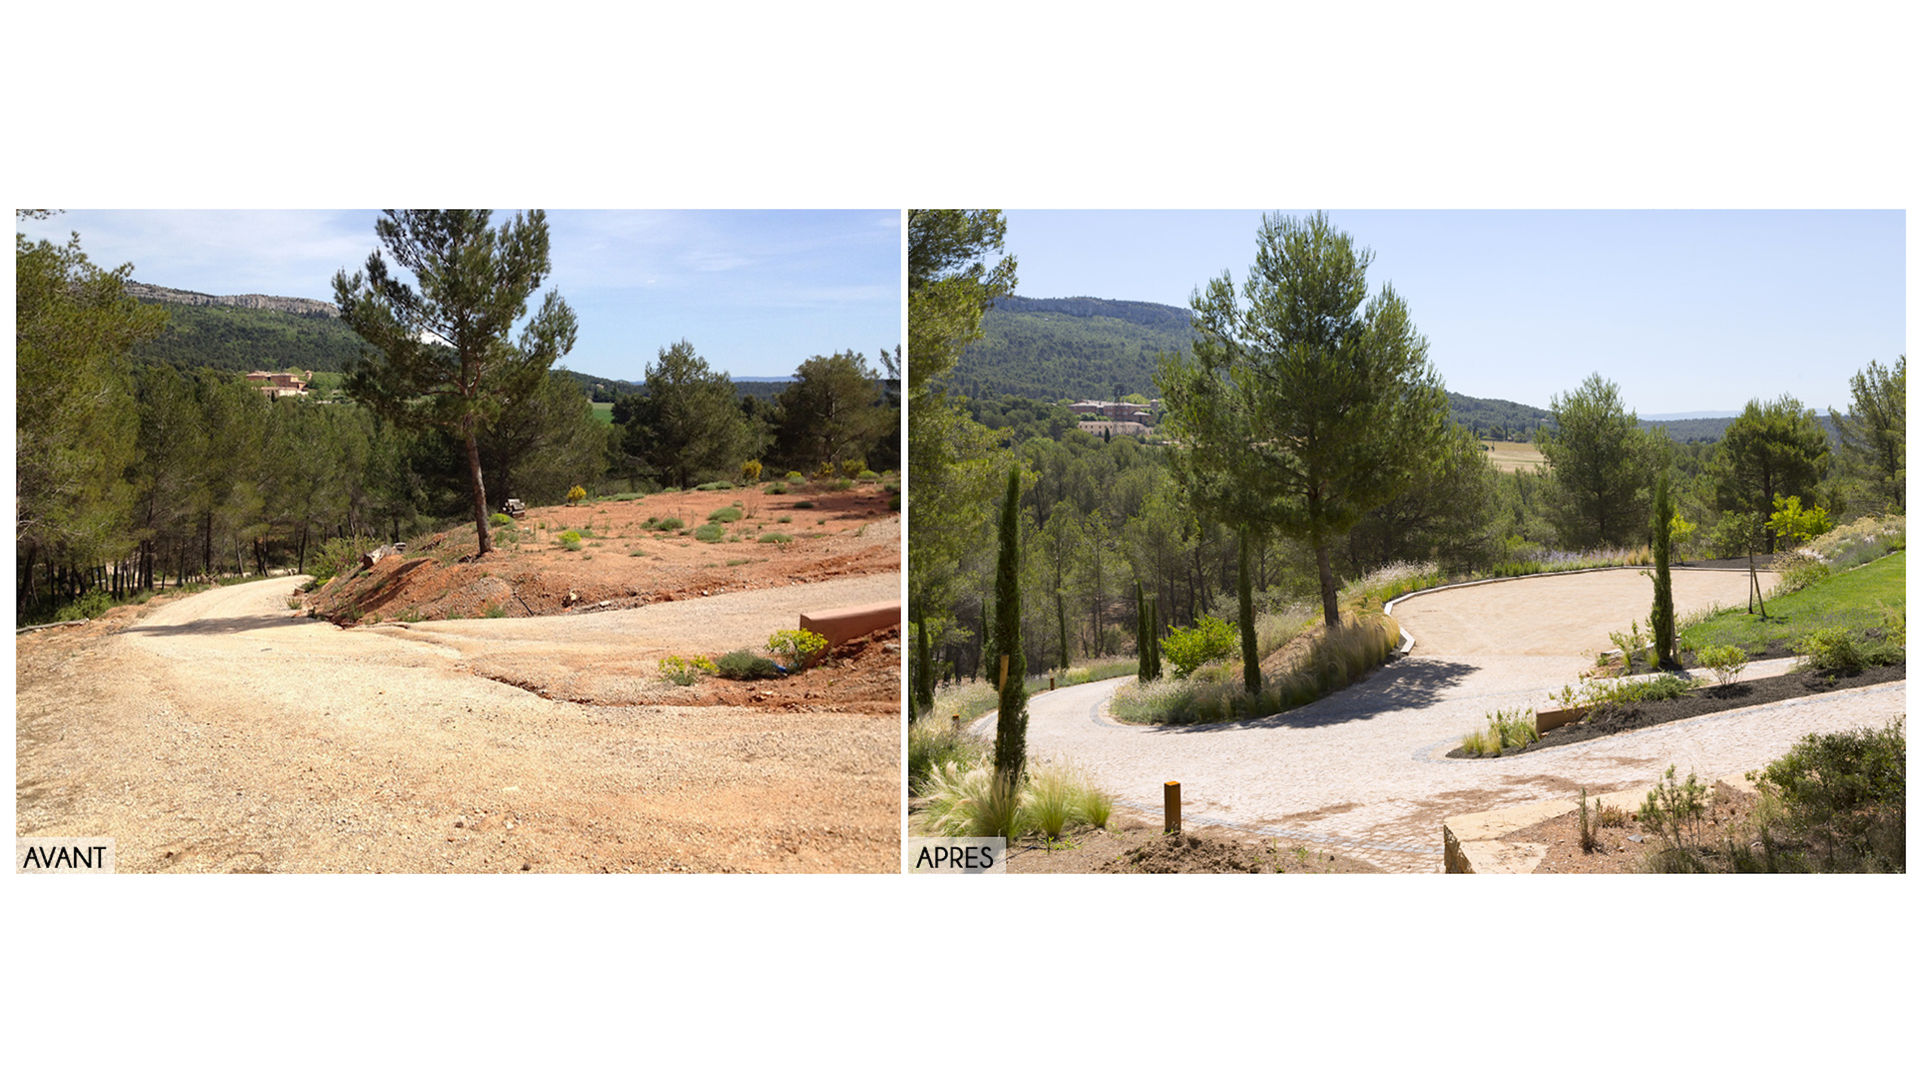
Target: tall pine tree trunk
479,486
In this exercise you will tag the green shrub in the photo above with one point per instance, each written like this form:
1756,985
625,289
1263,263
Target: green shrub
867,474
775,538
717,485
498,520
570,540
803,504
726,514
841,484
776,488
1725,661
800,648
1846,794
337,554
1675,811
1833,648
672,524
91,605
745,664
710,533
1190,647
575,494
795,478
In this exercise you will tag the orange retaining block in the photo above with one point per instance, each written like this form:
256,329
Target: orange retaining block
841,624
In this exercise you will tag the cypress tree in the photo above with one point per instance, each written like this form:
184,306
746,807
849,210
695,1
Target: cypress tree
1662,617
1140,643
923,669
1153,638
1060,610
1249,644
1010,742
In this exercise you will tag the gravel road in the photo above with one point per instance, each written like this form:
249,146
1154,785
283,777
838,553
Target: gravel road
1365,769
224,733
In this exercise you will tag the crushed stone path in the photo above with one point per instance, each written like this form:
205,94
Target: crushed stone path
222,732
1364,769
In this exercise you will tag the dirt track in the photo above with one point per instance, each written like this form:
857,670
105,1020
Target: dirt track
224,733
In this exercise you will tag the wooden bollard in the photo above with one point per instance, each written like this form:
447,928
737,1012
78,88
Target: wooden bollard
1171,798
1049,682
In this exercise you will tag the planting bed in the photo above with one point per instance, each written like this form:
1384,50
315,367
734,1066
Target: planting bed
1614,719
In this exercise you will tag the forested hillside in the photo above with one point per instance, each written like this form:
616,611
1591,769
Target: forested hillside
249,339
1077,347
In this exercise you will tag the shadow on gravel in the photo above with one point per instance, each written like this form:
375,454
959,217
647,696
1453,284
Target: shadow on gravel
1412,683
235,625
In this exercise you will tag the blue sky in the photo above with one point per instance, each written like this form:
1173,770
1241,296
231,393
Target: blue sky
1688,311
756,292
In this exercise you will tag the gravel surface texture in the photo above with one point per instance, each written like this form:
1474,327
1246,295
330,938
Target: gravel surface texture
223,733
1365,769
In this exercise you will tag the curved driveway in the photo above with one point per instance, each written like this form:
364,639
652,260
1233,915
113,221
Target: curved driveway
1365,769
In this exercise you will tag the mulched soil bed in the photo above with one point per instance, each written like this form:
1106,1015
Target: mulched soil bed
1616,719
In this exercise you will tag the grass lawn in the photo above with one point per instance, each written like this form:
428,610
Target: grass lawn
603,412
1854,600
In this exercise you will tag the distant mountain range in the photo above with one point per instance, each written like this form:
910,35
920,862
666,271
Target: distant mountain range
274,333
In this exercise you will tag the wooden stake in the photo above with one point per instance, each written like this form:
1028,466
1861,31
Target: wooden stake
1171,799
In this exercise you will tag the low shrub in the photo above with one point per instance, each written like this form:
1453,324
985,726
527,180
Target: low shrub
337,554
776,488
745,664
672,524
1725,661
1832,648
717,485
498,520
803,504
685,670
575,494
710,533
570,540
90,605
1187,648
775,538
1845,794
726,514
800,648
1675,811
